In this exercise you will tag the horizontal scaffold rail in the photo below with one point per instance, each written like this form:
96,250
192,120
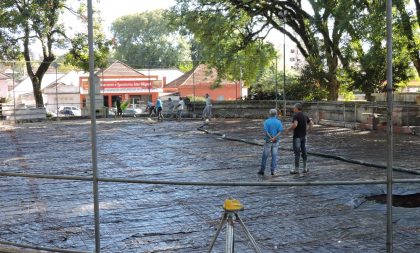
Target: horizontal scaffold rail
18,245
205,183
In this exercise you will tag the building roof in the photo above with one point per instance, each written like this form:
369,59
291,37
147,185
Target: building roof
170,73
119,69
180,80
200,76
3,77
70,79
49,80
25,86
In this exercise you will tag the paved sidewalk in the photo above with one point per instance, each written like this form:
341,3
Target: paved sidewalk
150,218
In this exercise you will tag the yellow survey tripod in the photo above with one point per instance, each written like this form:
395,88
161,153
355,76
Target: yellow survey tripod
231,207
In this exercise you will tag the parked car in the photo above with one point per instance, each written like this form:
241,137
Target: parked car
112,111
132,112
69,111
66,113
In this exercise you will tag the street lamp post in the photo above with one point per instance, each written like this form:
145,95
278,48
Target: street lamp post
193,79
14,93
240,81
284,63
55,65
149,82
276,82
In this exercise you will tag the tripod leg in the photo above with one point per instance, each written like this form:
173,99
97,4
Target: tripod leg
213,241
248,234
230,238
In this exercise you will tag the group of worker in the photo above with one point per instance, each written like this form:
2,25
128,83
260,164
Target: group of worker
273,128
177,109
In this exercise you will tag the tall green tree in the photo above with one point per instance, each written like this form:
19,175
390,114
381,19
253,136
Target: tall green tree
325,32
367,50
28,21
317,32
409,27
223,39
25,25
148,40
78,55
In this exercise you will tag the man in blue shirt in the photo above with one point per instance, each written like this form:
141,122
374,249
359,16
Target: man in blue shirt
272,128
159,108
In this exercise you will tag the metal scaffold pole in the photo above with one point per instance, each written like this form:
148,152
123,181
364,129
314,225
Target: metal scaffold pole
14,92
284,63
389,229
92,94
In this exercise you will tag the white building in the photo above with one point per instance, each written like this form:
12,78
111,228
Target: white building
64,92
294,59
60,87
4,86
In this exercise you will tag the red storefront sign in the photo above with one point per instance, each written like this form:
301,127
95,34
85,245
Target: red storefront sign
124,85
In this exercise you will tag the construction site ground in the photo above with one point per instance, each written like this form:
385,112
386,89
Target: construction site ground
167,218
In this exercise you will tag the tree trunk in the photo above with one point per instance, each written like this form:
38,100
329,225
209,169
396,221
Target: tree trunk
333,85
36,84
409,33
333,88
368,96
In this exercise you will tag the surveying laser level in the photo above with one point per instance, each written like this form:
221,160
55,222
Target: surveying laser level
231,207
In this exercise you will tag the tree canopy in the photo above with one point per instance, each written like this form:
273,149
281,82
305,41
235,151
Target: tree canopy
147,39
25,25
222,39
327,33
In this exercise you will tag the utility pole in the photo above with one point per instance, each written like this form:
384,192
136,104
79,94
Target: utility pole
284,64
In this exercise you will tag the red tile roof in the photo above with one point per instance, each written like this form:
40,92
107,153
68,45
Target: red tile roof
201,75
120,69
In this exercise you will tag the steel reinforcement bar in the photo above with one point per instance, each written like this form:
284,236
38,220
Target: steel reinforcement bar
185,183
205,183
18,245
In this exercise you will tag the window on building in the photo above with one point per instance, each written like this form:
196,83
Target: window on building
292,51
292,59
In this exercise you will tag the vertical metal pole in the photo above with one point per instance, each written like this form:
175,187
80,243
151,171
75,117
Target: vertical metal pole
14,94
92,94
240,80
240,89
193,77
389,229
56,89
150,99
284,63
317,110
230,237
344,112
277,84
355,114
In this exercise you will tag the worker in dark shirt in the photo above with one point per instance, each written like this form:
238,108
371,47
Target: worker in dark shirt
300,124
119,109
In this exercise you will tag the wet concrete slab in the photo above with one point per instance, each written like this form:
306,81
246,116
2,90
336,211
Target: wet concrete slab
157,218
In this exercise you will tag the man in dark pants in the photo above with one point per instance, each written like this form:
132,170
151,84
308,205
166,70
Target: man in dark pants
119,109
300,124
272,129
